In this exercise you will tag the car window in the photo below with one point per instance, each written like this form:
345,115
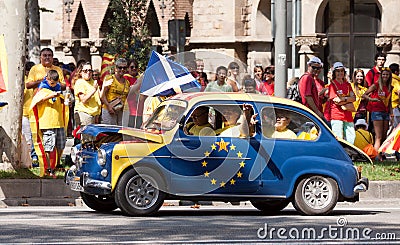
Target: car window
166,117
224,120
287,124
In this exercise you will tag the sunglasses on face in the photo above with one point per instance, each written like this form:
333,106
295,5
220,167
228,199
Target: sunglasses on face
87,71
122,67
316,67
132,67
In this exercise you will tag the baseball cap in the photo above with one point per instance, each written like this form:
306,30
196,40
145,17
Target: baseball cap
338,65
315,60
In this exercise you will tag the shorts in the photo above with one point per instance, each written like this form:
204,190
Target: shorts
54,137
380,116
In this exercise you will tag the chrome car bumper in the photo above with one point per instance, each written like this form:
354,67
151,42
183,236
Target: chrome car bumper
86,184
361,186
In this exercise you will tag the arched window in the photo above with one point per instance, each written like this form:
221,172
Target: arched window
351,27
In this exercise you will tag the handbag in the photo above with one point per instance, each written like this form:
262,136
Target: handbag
346,107
116,104
369,149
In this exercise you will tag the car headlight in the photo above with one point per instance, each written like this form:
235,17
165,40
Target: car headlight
101,157
74,151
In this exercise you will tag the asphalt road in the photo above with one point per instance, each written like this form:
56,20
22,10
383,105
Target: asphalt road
363,223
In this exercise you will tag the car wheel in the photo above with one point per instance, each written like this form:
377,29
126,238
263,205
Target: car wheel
272,206
99,203
316,195
138,194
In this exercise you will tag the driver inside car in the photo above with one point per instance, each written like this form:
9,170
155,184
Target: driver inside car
200,125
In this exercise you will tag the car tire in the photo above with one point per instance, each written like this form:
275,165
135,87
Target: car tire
316,195
272,206
139,194
99,203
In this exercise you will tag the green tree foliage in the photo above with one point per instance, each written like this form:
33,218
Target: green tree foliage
128,35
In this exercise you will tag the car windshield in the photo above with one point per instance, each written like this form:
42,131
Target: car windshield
167,115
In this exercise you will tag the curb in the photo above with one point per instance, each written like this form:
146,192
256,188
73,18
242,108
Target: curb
49,192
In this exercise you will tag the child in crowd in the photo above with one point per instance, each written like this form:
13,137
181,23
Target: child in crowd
51,119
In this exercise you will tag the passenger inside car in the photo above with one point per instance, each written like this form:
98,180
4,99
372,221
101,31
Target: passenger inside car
199,125
286,124
281,128
237,122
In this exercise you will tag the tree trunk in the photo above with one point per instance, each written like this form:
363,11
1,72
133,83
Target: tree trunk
13,27
33,31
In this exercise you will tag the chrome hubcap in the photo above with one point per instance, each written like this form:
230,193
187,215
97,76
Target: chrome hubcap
141,193
317,192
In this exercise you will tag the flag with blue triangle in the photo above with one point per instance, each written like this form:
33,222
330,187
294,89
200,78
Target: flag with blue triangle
162,75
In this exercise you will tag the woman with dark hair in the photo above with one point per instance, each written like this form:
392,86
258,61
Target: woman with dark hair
233,76
219,85
360,104
378,96
87,97
258,75
268,85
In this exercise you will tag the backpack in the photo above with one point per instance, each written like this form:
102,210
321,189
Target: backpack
293,92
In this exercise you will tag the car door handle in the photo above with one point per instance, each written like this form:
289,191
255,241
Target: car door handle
182,140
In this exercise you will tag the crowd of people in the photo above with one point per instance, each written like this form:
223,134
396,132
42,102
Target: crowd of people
348,104
77,93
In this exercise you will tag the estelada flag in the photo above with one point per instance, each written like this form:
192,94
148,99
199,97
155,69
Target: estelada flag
163,76
37,135
3,66
392,142
107,63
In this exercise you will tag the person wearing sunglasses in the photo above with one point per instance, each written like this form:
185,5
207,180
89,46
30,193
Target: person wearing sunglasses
114,93
200,125
267,86
308,88
87,97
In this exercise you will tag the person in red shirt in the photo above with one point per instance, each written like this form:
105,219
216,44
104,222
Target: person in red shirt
372,75
135,100
267,86
341,93
308,87
378,96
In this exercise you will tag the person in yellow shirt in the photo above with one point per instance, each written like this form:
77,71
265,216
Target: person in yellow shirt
39,71
117,91
51,119
87,96
395,98
363,137
281,128
200,125
26,128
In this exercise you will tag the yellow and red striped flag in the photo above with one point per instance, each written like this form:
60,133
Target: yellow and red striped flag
107,63
392,142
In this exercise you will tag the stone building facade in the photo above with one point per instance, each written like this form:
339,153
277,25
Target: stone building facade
350,31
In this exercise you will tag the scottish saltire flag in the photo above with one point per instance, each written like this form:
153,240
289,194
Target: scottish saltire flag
163,74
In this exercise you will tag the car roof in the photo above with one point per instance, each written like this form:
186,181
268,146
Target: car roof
194,98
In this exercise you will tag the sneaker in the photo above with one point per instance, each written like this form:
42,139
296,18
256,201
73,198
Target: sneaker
35,163
50,172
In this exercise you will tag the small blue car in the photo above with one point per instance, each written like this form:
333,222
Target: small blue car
218,147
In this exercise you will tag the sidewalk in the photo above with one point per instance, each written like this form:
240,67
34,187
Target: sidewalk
50,192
